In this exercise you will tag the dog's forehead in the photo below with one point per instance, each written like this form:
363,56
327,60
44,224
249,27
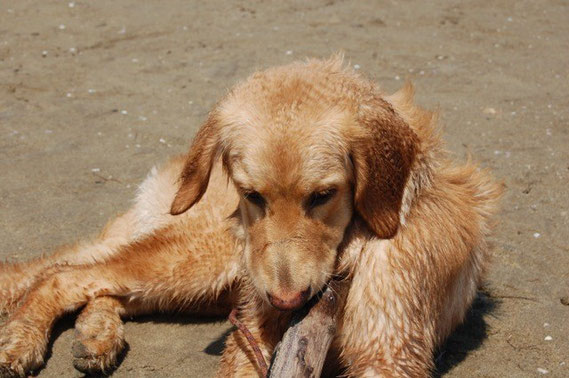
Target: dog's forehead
288,157
287,128
295,147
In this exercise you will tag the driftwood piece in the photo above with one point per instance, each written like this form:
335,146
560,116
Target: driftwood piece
304,346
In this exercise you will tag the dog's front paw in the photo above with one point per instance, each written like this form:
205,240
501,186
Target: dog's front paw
99,336
22,347
92,355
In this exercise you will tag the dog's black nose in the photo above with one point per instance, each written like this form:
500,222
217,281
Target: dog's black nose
289,300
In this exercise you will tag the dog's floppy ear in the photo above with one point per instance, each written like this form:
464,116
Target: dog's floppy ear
382,154
196,172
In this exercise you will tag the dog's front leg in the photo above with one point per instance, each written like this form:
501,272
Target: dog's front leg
18,277
167,272
23,339
385,330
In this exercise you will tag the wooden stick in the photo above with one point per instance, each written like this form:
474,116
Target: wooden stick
303,349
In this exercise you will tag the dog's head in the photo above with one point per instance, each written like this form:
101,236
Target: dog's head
307,147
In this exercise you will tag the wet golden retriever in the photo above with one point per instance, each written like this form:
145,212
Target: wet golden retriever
329,177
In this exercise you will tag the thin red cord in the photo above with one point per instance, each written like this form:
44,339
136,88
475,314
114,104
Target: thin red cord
258,354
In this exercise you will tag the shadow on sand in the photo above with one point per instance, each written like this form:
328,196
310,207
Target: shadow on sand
467,337
214,348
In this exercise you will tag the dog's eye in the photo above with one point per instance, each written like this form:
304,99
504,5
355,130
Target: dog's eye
320,198
255,198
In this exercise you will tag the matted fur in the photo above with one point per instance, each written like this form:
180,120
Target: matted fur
331,178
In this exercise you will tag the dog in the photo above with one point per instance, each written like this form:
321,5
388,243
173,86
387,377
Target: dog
300,174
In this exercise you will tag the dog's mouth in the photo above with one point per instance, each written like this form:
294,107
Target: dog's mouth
289,301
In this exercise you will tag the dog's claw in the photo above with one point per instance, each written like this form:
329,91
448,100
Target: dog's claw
87,365
89,362
84,361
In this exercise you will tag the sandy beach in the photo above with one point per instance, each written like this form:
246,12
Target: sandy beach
94,94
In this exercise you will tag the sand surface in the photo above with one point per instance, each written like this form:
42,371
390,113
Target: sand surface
94,93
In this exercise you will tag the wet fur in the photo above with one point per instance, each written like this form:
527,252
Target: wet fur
406,228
